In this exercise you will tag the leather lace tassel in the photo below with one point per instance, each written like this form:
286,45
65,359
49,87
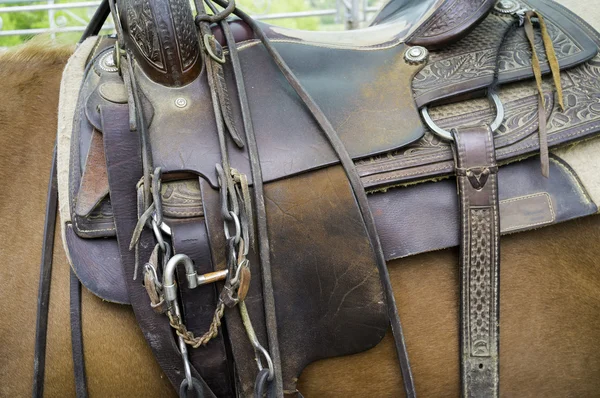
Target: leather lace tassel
553,61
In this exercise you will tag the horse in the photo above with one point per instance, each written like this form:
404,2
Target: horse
550,329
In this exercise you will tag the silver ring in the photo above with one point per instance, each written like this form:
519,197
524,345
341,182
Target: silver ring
163,226
238,228
446,135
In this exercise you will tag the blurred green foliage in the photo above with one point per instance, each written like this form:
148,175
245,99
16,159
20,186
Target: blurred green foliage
75,17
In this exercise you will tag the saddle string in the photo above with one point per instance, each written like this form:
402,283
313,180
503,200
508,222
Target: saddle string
554,67
357,188
523,18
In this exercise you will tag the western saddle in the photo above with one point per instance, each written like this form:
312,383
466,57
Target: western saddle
242,185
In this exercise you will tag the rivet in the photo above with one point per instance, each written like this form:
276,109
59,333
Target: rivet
507,7
181,102
107,63
416,55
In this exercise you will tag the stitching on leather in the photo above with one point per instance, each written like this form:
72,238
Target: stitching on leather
584,24
580,187
503,152
465,253
556,137
78,110
184,213
408,174
529,225
253,42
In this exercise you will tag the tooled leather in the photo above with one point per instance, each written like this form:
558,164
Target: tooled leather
181,199
479,261
516,137
449,21
473,59
154,29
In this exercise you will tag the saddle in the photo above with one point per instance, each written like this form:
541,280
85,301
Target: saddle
242,185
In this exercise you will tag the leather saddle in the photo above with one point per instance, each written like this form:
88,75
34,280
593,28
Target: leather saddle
272,172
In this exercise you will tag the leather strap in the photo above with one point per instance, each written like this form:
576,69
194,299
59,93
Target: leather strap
43,302
77,338
360,195
96,22
124,166
476,174
264,250
198,306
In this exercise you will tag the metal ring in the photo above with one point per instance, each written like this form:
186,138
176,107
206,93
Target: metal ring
158,236
238,228
223,191
163,226
194,386
156,188
446,135
148,267
262,380
265,354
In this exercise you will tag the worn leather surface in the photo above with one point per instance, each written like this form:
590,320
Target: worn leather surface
369,111
365,92
123,152
328,294
424,217
97,264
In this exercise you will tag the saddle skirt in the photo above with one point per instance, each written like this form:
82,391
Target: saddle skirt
324,278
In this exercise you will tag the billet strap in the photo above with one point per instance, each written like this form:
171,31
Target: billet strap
43,301
124,165
358,190
198,305
477,181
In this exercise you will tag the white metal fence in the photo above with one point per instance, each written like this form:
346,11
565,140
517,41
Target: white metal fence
351,13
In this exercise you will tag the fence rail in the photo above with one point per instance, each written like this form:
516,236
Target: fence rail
351,12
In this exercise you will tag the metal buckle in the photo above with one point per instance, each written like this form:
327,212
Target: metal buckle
209,41
446,135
